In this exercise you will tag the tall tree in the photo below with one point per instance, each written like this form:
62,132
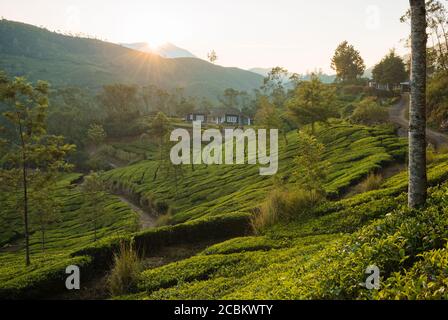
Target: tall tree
159,129
417,110
31,152
270,117
390,71
312,102
44,203
212,56
121,103
311,169
347,63
119,100
96,134
437,18
273,85
93,191
229,99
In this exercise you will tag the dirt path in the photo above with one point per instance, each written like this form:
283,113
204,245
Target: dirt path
397,114
147,220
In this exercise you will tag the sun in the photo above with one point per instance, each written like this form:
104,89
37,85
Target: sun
157,40
155,44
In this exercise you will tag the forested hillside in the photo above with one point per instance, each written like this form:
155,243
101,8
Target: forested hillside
37,53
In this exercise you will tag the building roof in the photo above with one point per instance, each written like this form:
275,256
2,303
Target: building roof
227,111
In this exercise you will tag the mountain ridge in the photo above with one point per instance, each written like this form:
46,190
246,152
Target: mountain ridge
39,54
167,50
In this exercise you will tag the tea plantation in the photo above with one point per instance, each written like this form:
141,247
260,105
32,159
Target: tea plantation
213,204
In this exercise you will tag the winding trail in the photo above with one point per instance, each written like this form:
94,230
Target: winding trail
147,220
397,114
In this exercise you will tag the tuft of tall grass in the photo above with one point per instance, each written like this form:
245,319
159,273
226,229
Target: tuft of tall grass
284,205
431,154
164,220
124,274
372,182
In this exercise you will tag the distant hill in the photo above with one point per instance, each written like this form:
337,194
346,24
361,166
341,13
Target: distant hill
261,71
62,60
167,50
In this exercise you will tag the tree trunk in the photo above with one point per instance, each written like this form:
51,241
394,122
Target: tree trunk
42,230
417,110
25,212
95,227
25,193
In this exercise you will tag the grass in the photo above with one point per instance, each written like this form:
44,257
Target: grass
124,274
372,182
284,205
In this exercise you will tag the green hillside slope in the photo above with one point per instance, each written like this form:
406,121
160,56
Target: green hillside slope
62,60
353,152
325,254
216,202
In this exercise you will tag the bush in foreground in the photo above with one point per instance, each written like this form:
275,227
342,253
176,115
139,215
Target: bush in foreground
283,205
127,267
372,182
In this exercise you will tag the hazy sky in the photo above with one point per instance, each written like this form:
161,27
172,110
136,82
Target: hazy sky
300,35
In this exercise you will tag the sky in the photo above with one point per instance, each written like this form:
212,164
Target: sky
300,35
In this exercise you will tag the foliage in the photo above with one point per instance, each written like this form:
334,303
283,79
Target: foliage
436,17
372,182
437,93
267,116
31,154
93,190
96,134
44,208
311,169
390,70
212,56
126,269
312,102
67,232
369,112
283,205
273,85
310,259
347,63
353,151
159,129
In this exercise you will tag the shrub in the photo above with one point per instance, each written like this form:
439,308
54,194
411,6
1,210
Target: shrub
164,220
127,267
311,169
224,226
437,94
372,182
161,207
282,205
369,112
425,280
46,280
